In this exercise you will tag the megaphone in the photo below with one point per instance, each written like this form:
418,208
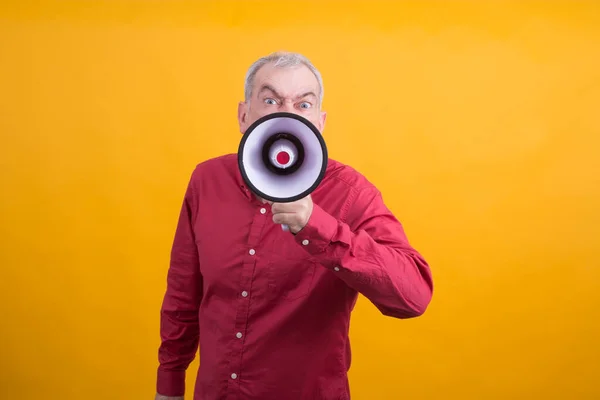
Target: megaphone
282,157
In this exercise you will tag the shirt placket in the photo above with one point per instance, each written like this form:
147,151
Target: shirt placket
245,297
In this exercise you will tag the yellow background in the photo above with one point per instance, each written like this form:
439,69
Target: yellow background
479,121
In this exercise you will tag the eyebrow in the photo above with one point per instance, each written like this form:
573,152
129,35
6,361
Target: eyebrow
307,94
270,88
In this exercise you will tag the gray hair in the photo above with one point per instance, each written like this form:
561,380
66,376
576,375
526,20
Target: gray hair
280,59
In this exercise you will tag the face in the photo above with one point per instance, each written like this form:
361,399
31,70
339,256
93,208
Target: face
291,89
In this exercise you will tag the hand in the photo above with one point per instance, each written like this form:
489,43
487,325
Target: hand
161,397
295,214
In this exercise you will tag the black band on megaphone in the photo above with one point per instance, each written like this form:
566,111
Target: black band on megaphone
319,173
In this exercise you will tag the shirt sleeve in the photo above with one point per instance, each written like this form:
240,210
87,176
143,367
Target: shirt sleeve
179,327
371,253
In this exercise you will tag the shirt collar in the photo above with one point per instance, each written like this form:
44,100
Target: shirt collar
240,182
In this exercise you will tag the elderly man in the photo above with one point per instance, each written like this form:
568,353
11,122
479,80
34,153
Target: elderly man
270,309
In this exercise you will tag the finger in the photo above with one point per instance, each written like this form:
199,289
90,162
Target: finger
282,208
287,207
285,218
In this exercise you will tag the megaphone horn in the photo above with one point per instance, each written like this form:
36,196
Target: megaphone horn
282,157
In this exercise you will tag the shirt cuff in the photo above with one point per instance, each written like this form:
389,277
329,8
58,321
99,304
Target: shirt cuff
318,233
170,383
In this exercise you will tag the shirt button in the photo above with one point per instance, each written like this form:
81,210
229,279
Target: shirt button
238,335
245,294
336,268
233,376
263,210
252,252
305,242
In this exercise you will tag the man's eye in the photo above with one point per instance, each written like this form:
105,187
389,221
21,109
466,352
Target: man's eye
305,105
270,101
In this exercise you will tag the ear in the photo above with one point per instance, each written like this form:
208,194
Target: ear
322,119
242,116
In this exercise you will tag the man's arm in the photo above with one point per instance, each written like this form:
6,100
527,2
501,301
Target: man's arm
371,254
179,328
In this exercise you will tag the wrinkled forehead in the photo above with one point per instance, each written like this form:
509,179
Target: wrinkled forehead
288,81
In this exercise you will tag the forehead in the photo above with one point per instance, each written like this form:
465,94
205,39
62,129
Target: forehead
287,81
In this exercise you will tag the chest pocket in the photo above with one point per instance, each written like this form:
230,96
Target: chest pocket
290,269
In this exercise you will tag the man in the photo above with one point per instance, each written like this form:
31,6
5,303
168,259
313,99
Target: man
268,308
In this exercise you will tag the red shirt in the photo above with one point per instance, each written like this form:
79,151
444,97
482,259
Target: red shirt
270,310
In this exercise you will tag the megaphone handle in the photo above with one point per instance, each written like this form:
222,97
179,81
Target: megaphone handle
285,228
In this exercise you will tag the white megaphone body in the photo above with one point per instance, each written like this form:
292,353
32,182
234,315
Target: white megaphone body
282,157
